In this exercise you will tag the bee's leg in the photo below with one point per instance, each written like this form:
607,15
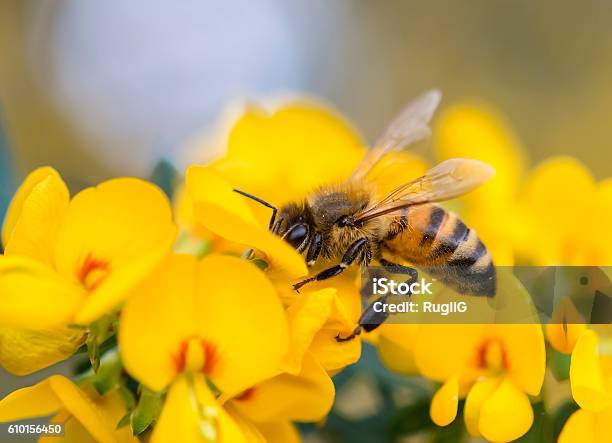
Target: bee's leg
347,259
370,318
314,250
396,268
276,227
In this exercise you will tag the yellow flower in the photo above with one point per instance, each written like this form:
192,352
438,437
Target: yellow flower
566,326
86,416
591,381
218,320
305,397
494,366
76,258
69,261
559,205
227,214
279,157
283,155
316,317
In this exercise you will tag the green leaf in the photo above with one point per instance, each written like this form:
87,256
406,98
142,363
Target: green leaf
147,410
93,352
109,372
125,420
128,396
559,364
99,332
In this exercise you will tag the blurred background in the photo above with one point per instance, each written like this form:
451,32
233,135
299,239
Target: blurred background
104,89
101,89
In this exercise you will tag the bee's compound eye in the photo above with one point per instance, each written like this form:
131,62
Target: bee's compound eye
296,236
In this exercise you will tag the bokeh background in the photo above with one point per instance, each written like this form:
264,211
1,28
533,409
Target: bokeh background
101,89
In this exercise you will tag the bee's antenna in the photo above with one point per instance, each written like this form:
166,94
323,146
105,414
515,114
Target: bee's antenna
263,202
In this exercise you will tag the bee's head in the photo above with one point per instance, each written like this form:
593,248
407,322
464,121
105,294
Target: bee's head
294,225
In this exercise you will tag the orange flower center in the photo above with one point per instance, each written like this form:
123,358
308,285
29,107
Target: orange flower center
195,355
246,395
492,356
93,272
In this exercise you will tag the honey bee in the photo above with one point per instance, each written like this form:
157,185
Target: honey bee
349,224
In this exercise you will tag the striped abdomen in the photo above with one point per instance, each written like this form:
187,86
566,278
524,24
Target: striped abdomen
443,246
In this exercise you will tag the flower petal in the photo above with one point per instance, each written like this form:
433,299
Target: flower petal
331,354
599,250
506,415
191,414
74,432
441,351
157,317
477,396
33,296
479,131
565,330
586,376
116,221
35,214
226,213
249,430
525,352
543,208
579,427
262,146
306,317
122,228
34,401
244,321
315,319
306,397
279,432
52,394
444,403
13,212
396,347
603,426
24,351
118,283
81,407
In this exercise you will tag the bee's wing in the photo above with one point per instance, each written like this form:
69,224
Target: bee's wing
447,180
409,126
